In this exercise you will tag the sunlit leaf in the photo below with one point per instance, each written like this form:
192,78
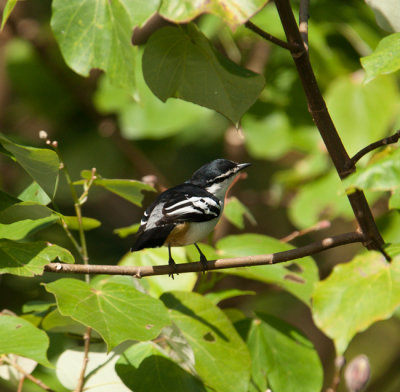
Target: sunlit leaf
387,13
356,295
213,340
97,34
116,310
284,357
124,232
87,223
21,229
41,164
23,339
34,193
28,259
219,296
233,12
182,63
235,211
298,277
8,8
142,359
385,59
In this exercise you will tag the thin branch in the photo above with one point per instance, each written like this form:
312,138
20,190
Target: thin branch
303,21
268,36
81,381
247,261
339,363
298,233
383,142
35,380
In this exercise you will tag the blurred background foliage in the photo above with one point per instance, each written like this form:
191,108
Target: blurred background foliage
131,134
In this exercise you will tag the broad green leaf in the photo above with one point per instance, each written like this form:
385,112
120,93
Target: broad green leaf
7,200
298,277
130,190
221,357
233,12
387,13
126,231
35,194
182,63
117,311
37,306
146,116
268,138
8,8
283,356
23,339
54,321
381,175
394,201
235,211
323,198
144,359
219,296
385,59
356,295
362,112
160,284
100,375
87,223
41,164
28,259
97,34
21,229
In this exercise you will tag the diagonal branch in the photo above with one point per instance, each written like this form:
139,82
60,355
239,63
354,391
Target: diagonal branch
303,21
247,261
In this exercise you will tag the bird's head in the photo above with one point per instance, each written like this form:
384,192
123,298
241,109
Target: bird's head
216,176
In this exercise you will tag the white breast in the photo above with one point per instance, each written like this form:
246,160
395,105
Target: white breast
199,230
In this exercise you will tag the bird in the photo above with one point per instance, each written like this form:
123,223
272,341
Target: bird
187,213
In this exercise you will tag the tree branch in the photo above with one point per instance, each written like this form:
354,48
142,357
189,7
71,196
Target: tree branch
81,381
247,261
303,21
383,142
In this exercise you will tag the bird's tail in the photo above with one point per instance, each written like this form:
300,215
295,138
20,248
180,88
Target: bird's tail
152,238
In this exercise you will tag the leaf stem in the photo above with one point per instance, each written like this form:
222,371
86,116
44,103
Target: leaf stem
81,381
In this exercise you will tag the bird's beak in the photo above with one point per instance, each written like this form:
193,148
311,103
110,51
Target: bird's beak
242,166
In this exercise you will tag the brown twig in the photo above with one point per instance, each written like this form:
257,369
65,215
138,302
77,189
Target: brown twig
298,233
324,123
380,143
35,380
268,36
247,261
81,381
339,363
303,21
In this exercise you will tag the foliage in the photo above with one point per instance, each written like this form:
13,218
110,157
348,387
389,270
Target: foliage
189,92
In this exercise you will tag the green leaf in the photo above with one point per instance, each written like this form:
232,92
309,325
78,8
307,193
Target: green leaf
126,231
221,357
35,194
268,138
297,277
28,259
97,34
41,164
130,190
23,339
387,13
8,8
362,113
144,359
117,311
219,296
356,295
284,356
381,175
159,256
182,63
394,201
21,229
7,200
233,12
235,211
385,59
87,223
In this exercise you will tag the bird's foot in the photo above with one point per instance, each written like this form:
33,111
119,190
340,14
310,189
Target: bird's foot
172,263
204,263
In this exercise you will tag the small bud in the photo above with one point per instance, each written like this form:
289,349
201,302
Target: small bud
48,142
54,144
357,373
43,134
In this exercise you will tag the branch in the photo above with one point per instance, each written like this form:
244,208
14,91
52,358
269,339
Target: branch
81,381
383,142
267,36
247,261
303,21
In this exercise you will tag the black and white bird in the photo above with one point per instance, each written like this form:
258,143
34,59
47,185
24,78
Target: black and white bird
186,213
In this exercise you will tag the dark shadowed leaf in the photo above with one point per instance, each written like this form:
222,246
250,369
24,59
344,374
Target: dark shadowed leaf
182,63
